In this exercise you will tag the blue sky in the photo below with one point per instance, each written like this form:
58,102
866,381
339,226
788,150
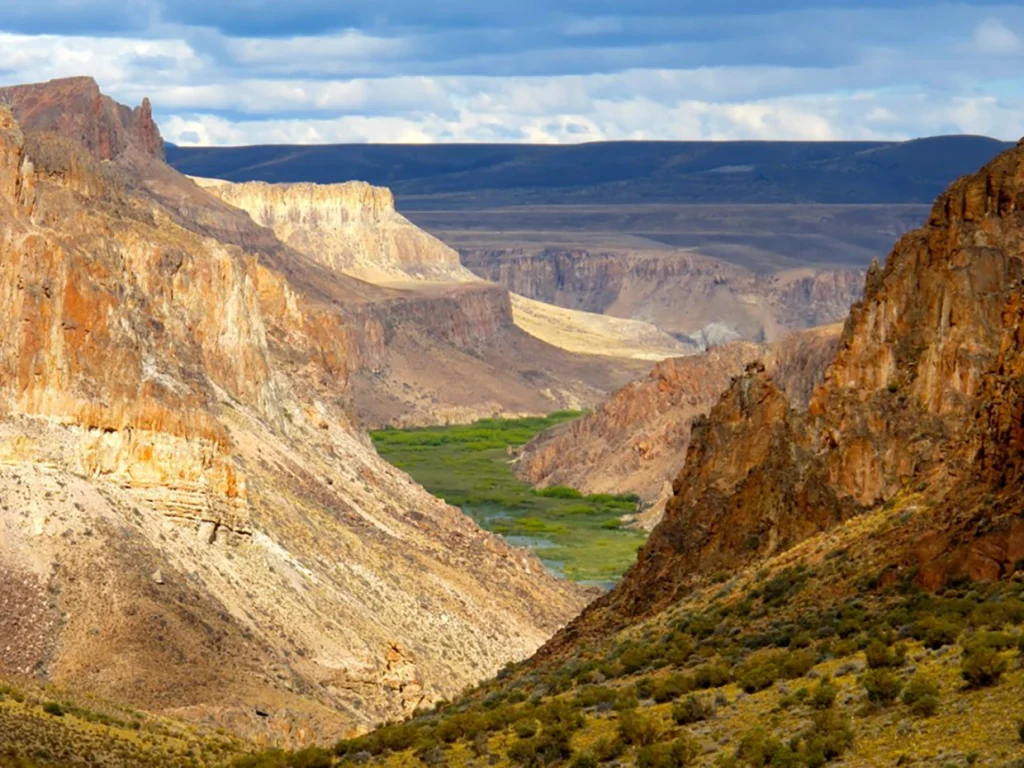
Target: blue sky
307,71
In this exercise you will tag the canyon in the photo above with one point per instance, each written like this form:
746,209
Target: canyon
636,440
919,406
193,523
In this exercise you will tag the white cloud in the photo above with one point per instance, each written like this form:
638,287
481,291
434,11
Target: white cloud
409,84
993,38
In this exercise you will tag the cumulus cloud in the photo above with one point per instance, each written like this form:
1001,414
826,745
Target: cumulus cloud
306,71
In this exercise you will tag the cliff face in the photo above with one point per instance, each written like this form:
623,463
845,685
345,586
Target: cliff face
636,441
180,479
922,400
351,227
75,108
678,291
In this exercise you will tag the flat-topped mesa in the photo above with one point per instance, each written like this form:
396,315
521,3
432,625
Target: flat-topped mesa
75,108
351,227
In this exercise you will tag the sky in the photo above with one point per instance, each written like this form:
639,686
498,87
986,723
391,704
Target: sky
230,72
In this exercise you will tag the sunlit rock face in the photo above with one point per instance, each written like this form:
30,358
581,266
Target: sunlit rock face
922,400
351,227
192,520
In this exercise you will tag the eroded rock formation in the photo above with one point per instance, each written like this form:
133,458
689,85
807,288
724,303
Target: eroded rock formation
351,227
636,441
922,401
678,291
180,478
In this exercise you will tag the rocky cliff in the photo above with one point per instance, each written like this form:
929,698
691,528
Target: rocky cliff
686,294
351,227
920,406
636,440
189,520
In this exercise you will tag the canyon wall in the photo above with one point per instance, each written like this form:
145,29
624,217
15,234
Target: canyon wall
190,522
636,440
351,228
681,292
921,405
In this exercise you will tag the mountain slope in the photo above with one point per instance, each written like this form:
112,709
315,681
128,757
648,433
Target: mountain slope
191,523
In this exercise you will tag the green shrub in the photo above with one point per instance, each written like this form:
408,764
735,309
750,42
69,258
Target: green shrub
583,761
674,754
692,710
710,676
53,708
880,656
609,748
824,695
551,746
525,728
828,737
759,748
671,688
922,696
936,632
638,730
882,686
982,667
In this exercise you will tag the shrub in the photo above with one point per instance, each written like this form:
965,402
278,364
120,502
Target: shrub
1020,730
982,667
583,761
53,708
712,675
880,656
525,728
671,688
829,736
608,748
550,747
922,696
824,695
936,632
882,686
638,730
758,672
692,710
674,754
758,748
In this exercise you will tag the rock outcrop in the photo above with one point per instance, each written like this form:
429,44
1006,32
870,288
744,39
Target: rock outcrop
923,400
75,108
681,292
636,441
189,518
351,228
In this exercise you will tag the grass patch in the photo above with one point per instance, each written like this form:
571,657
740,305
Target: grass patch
469,466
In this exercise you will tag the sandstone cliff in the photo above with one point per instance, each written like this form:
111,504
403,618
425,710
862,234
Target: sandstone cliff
188,518
351,227
680,292
920,406
636,441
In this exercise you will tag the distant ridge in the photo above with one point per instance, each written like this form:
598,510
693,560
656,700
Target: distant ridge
482,175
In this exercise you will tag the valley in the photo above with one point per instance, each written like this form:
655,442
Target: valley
575,535
654,465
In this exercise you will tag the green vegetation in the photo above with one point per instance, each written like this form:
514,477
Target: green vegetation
469,466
